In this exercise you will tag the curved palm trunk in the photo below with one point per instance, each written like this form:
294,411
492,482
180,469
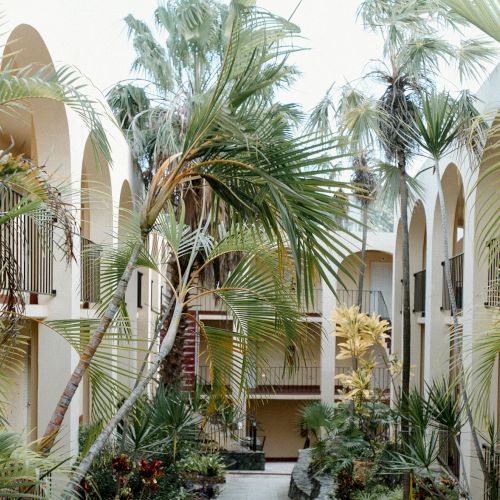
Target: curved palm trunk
457,337
86,358
405,385
166,346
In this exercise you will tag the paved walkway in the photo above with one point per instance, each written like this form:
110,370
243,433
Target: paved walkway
271,484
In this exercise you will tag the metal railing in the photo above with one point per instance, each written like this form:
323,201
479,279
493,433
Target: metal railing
372,301
90,271
277,379
492,488
493,290
210,304
457,281
27,240
419,292
381,378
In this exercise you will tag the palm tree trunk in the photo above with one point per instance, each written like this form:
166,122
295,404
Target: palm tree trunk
86,358
457,337
362,264
405,385
166,346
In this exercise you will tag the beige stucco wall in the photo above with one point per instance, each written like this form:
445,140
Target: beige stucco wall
277,421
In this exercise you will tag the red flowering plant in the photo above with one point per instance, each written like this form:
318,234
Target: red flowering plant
150,472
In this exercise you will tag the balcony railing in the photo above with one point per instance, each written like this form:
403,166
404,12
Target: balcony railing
492,489
372,301
279,380
275,380
457,282
209,304
27,240
381,378
419,292
493,291
448,452
90,271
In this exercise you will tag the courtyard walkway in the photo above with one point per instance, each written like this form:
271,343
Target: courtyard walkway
271,484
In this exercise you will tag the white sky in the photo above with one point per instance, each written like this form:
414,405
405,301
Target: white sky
339,48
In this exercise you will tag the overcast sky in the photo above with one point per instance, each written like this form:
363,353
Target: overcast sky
338,46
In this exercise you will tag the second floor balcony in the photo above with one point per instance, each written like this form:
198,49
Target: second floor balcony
419,292
27,244
457,282
275,380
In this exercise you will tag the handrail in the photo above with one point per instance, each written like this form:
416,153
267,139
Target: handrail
493,286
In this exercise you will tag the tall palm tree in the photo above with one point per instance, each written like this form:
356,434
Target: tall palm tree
257,293
154,112
249,157
442,125
365,186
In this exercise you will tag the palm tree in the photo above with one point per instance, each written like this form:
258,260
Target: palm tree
442,125
252,163
364,182
257,293
154,113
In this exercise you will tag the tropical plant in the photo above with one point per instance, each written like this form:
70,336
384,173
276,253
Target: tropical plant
251,162
312,418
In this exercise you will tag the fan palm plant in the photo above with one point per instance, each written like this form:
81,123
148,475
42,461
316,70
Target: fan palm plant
247,155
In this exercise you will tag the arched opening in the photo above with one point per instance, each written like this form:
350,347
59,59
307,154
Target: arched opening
376,298
38,130
441,342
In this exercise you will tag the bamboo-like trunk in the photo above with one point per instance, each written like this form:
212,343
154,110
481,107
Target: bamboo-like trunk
457,337
61,409
405,385
168,341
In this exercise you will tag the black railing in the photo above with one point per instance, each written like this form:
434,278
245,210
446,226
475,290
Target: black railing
493,291
90,271
492,488
381,379
276,379
26,243
372,301
457,282
419,292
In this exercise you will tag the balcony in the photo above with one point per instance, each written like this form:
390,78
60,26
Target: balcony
457,282
372,301
209,304
90,271
493,290
381,378
275,380
27,240
419,293
279,380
